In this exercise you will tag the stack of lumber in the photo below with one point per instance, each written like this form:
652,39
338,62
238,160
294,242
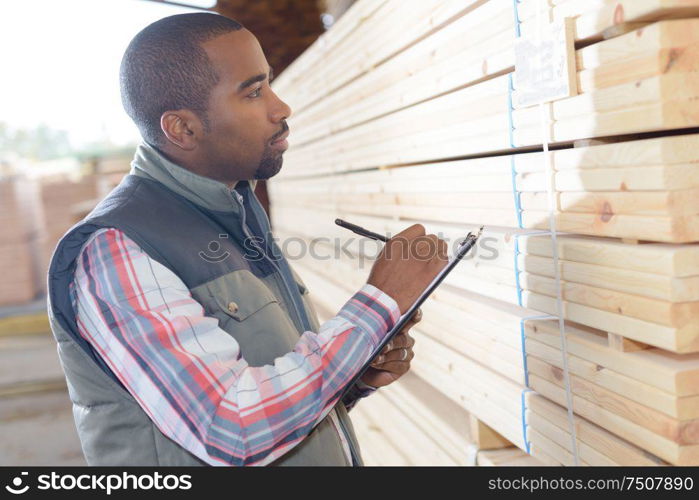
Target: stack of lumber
20,220
647,292
470,347
111,170
638,189
59,198
403,113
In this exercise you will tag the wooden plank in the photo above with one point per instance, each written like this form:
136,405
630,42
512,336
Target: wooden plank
436,64
649,203
421,449
659,259
603,309
619,343
680,229
681,432
507,457
483,9
668,116
376,449
633,284
546,434
485,437
680,408
554,450
629,281
439,417
495,195
618,450
663,115
666,227
606,377
385,28
676,374
660,446
594,17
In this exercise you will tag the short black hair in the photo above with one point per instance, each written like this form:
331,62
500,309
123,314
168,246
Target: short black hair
165,68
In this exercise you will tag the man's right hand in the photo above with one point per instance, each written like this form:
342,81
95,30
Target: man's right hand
407,265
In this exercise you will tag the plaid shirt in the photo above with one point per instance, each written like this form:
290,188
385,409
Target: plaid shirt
188,374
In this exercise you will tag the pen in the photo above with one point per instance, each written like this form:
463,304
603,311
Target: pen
466,245
360,230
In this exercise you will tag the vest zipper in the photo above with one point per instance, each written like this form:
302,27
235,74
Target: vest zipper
353,452
292,303
261,216
239,199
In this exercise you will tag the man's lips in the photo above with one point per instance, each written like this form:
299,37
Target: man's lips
281,137
280,143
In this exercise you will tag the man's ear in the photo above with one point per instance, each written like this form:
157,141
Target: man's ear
182,128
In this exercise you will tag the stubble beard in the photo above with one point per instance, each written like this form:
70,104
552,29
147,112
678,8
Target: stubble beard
270,164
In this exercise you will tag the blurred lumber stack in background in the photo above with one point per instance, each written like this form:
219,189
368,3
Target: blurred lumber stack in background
403,113
37,207
21,223
59,198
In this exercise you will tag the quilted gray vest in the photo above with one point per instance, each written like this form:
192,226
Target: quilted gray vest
196,227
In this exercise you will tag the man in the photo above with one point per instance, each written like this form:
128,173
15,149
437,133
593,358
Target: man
179,345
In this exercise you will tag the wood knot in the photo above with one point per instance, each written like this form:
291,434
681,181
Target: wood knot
607,212
557,373
672,56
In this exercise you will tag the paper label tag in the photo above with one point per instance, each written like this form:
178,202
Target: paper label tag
545,65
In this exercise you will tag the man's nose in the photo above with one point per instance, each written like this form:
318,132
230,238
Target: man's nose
281,112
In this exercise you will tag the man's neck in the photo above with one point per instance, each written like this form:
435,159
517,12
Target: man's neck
192,165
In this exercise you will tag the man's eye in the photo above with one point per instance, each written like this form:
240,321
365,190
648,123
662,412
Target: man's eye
255,93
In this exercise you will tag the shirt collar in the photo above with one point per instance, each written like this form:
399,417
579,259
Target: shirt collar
208,193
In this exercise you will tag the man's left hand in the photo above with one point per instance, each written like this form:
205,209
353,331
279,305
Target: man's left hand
394,360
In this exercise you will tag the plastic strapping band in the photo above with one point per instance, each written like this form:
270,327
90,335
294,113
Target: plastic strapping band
515,10
550,189
518,207
513,169
523,338
527,444
510,109
517,282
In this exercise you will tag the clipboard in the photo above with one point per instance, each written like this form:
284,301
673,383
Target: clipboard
463,249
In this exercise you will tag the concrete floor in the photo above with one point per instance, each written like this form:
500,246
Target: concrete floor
36,420
38,429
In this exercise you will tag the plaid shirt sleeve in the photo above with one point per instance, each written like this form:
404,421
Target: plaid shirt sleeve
188,374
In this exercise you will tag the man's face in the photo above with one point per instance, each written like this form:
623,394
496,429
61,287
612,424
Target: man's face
245,116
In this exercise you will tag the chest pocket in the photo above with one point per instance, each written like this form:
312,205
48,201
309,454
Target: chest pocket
249,312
